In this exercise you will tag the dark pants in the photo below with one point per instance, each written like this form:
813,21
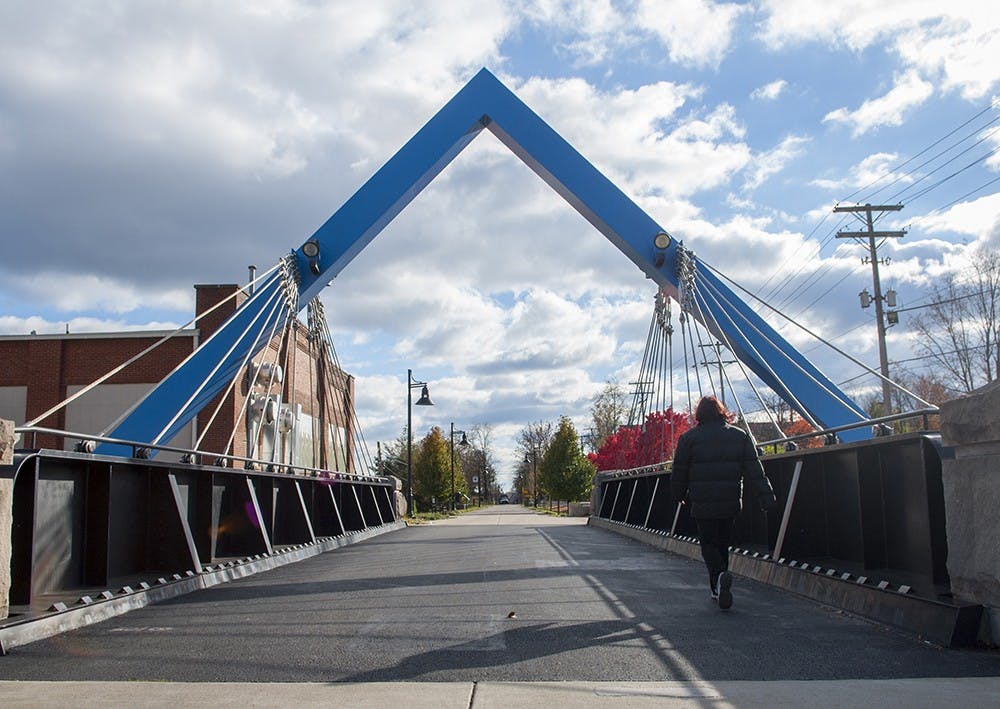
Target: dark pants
715,535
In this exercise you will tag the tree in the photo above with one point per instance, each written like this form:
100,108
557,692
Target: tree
480,461
608,412
564,472
960,331
532,442
634,447
432,471
799,426
392,458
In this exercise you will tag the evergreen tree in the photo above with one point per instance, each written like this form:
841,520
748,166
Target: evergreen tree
565,473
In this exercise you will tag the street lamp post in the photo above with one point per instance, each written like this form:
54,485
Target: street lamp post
464,442
534,475
424,400
483,485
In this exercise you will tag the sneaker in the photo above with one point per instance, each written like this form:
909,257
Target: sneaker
725,592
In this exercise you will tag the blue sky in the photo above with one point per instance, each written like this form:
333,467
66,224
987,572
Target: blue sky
145,147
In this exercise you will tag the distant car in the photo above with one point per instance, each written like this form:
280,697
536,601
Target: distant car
504,500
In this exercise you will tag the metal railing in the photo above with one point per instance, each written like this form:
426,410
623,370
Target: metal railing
141,451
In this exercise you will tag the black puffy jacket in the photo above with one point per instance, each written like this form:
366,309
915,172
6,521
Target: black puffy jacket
710,464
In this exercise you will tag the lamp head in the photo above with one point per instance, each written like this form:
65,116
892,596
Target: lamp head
425,398
464,441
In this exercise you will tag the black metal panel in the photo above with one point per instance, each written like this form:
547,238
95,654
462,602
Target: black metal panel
807,535
635,512
907,485
190,487
60,492
97,514
876,504
238,531
349,513
383,497
842,494
22,532
166,546
376,511
620,499
936,521
607,497
326,521
664,506
872,520
129,521
290,526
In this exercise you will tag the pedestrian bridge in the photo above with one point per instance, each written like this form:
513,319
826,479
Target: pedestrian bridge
111,527
859,526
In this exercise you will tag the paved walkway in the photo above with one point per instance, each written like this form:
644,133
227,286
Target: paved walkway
498,606
885,694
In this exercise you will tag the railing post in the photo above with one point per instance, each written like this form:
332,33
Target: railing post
788,509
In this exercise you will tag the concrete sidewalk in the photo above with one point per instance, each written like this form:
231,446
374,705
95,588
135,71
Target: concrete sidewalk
910,693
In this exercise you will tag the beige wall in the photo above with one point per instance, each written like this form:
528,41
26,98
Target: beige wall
100,407
13,403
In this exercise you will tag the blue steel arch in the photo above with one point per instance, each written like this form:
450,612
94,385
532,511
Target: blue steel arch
485,103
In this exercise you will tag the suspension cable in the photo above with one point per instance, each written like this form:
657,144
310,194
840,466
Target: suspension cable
848,404
275,302
728,343
267,301
817,337
124,365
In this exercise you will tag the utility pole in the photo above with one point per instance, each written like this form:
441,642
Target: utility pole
717,346
870,236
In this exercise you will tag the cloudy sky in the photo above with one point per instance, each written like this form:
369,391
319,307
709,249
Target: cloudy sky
148,146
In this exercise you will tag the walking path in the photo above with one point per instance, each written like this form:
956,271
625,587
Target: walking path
497,606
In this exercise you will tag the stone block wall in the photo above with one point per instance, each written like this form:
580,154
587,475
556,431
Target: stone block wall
6,514
971,424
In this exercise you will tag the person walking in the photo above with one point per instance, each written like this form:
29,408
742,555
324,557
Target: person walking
711,462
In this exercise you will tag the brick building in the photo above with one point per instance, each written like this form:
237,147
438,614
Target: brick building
298,413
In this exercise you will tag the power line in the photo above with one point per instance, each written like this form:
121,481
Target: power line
936,184
967,194
943,152
936,142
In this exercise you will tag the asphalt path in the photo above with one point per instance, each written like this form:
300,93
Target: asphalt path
496,595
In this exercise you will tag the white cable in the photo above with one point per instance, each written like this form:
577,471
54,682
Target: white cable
820,339
276,292
238,373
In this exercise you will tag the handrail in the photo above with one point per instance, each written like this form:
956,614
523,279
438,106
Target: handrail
264,464
664,465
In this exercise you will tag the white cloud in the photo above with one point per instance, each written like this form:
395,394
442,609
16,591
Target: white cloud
974,218
80,292
890,109
637,138
13,325
696,32
769,92
954,44
876,168
594,29
774,160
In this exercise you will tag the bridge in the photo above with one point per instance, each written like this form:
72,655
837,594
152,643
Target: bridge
129,521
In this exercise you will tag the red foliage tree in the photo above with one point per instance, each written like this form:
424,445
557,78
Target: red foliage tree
635,447
799,426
